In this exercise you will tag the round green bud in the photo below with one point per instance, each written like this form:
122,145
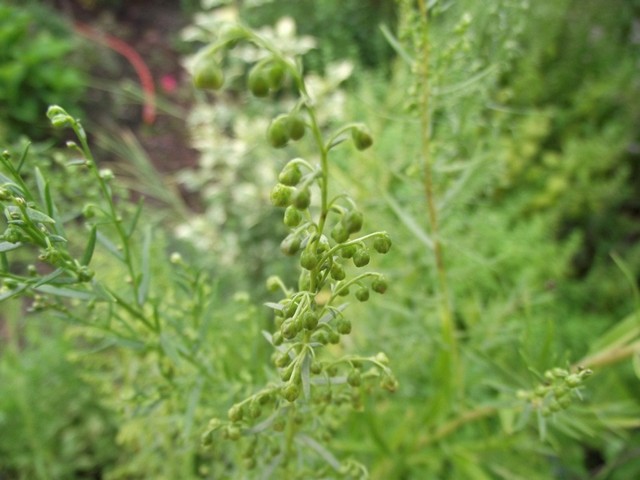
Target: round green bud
362,294
337,272
208,75
233,433
207,438
348,251
354,378
289,329
273,283
278,131
320,337
281,195
361,257
290,175
302,199
382,244
291,392
343,325
279,424
296,126
258,82
310,320
292,216
379,285
361,137
334,337
276,74
352,221
290,245
573,380
315,368
339,233
277,338
389,383
235,413
343,291
308,259
282,360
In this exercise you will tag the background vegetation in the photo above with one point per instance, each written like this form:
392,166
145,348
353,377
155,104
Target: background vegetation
505,168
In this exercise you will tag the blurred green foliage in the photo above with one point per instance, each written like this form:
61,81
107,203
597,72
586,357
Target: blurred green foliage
349,29
37,69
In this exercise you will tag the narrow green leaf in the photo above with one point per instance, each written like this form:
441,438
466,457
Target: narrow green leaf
134,221
409,221
91,245
11,293
23,157
395,44
65,292
305,376
146,267
41,183
8,246
170,350
111,248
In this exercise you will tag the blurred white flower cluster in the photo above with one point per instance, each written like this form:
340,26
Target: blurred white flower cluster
237,168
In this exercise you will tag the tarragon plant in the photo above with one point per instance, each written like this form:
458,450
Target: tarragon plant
291,414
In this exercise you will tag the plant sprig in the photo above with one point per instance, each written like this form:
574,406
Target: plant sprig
322,234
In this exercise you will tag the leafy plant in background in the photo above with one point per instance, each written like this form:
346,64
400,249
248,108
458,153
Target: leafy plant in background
36,69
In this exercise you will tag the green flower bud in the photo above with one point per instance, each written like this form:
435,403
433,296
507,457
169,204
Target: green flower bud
207,438
362,294
343,291
361,137
361,257
354,378
308,259
292,216
278,132
310,320
291,392
296,126
337,272
233,433
276,75
382,244
573,380
316,368
281,195
289,329
235,413
348,251
334,337
208,75
290,245
273,283
277,338
302,199
343,325
320,337
389,383
279,424
282,360
379,285
258,82
290,175
352,221
339,233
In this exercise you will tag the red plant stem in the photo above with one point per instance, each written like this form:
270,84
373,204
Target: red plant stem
128,52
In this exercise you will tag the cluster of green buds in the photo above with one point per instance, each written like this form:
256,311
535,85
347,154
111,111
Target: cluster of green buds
325,235
31,222
556,393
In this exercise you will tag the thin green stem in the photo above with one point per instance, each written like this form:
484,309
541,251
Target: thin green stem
116,219
446,318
